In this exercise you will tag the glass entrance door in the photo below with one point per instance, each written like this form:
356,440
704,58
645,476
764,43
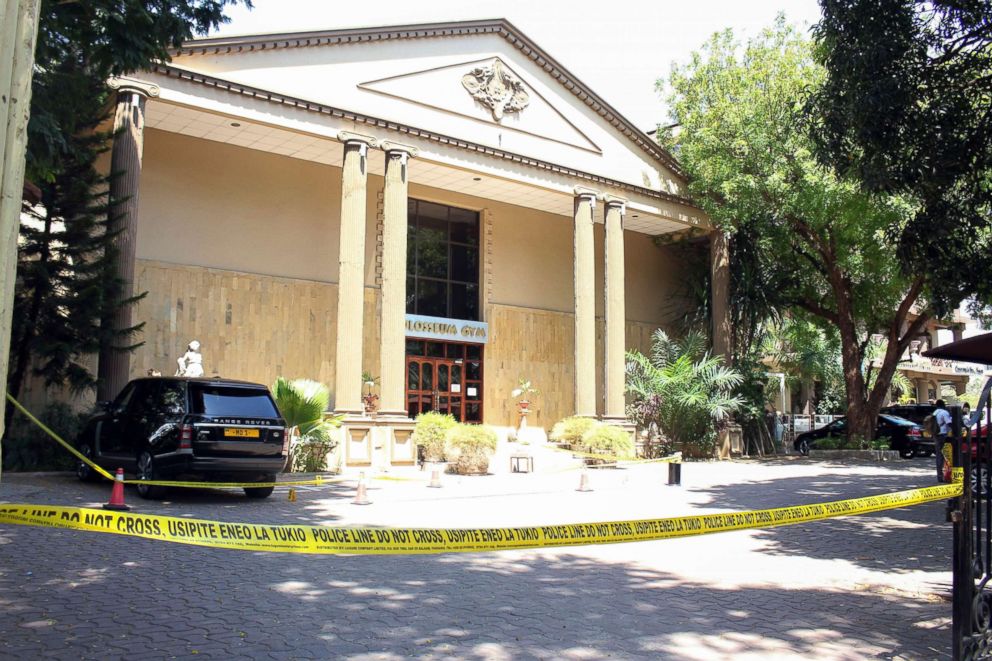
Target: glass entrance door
442,377
434,384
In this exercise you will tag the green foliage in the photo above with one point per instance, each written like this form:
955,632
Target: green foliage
524,390
607,440
27,448
821,243
430,432
903,108
682,390
81,44
855,443
571,430
66,286
302,403
470,447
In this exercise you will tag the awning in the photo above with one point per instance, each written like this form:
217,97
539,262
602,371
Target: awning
977,349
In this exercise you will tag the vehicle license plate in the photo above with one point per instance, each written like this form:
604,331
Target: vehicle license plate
241,433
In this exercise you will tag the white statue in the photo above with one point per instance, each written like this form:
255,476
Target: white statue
191,362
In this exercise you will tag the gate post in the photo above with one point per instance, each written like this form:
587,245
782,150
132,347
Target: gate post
960,511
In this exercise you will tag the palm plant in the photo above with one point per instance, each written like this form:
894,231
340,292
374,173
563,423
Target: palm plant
682,389
302,403
806,354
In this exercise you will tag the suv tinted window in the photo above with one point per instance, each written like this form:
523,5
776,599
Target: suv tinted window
172,401
233,401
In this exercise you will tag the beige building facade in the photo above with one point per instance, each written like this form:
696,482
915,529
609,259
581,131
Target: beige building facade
443,206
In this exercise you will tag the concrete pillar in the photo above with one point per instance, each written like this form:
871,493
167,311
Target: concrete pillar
585,303
351,275
960,386
720,293
18,34
114,367
922,388
392,368
616,316
958,333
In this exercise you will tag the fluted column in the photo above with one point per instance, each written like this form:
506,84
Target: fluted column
720,293
351,274
616,314
114,365
585,303
392,368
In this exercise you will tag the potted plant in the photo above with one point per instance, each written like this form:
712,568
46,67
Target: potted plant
430,434
606,440
470,447
370,399
569,432
522,393
302,404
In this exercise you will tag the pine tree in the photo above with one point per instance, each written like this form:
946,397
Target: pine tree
65,280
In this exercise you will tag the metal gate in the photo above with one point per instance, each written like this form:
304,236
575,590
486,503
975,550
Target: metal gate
972,518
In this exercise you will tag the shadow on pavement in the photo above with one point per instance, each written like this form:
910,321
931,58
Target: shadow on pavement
913,538
100,596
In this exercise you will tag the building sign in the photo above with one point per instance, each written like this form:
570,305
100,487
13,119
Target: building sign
448,330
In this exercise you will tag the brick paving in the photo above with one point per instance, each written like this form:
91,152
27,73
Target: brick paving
869,587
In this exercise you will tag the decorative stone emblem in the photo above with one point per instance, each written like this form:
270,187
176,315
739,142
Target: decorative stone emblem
497,89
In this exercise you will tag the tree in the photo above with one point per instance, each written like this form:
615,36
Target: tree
66,282
806,353
906,108
824,242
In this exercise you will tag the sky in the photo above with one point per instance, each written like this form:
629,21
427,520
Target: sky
619,48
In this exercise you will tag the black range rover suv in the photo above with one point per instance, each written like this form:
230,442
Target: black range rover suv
163,428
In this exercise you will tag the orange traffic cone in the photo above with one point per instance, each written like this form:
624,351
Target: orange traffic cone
584,481
435,478
362,496
117,494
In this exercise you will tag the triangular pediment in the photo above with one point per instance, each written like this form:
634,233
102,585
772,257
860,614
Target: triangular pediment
479,83
488,91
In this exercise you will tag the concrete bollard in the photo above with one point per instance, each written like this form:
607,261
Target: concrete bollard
675,474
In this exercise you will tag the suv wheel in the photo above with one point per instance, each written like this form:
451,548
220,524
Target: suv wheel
146,471
907,453
803,447
261,492
84,471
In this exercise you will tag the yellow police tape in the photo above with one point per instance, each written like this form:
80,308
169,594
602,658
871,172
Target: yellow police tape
316,481
675,458
340,540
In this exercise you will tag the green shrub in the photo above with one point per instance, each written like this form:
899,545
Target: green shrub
430,433
570,430
828,444
28,448
470,447
607,440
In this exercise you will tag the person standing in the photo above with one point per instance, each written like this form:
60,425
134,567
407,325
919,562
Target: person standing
942,429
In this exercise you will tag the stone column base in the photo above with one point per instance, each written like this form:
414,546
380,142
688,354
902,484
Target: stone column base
377,442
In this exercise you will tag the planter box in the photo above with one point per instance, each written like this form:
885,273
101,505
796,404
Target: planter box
864,455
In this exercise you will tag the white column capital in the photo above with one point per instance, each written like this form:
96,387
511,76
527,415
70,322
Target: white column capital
366,141
588,194
615,201
133,85
398,150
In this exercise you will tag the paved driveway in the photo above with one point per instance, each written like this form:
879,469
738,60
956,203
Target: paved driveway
866,587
